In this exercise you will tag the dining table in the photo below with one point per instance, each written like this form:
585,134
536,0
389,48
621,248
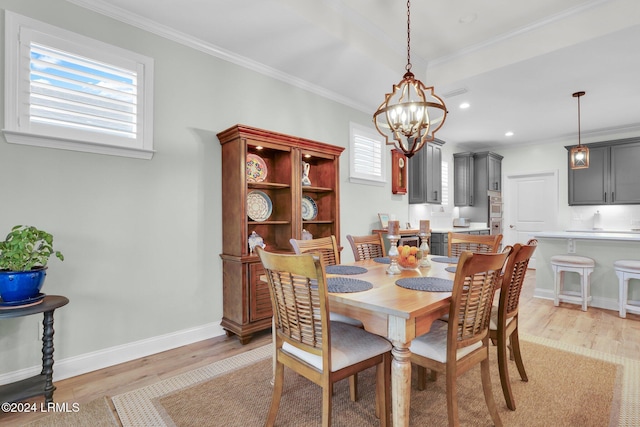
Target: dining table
397,313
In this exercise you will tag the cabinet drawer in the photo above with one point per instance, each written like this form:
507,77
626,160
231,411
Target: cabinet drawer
259,298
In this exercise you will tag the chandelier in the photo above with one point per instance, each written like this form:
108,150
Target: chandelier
579,155
412,113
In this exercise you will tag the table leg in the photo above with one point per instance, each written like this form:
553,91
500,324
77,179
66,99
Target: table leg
47,356
400,384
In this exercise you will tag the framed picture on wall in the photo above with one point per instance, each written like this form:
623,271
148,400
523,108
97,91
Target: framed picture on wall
384,220
398,172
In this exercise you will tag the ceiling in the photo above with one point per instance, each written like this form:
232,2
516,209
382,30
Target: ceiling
516,63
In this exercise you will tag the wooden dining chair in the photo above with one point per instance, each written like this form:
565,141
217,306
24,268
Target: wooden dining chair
460,242
454,347
504,317
367,247
308,343
326,247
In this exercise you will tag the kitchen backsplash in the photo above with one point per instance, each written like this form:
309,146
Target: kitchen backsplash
618,217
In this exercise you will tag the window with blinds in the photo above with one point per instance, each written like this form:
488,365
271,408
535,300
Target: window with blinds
75,92
367,160
445,183
71,92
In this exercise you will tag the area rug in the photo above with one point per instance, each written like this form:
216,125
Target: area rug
568,385
97,413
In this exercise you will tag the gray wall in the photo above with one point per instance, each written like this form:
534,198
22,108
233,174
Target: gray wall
142,238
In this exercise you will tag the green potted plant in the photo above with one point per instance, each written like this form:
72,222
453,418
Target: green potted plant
24,255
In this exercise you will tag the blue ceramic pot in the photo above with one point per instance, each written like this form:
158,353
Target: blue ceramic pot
21,285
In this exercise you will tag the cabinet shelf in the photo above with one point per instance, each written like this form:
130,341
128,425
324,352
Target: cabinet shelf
267,185
268,222
317,190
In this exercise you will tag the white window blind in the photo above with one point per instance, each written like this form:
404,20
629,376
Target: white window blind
67,91
367,163
71,91
445,183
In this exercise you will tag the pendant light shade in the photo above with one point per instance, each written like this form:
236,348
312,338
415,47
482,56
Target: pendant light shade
579,155
412,113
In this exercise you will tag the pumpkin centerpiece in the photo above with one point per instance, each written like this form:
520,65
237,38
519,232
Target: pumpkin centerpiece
24,255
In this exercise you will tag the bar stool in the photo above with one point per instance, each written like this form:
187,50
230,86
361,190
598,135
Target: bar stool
575,264
626,269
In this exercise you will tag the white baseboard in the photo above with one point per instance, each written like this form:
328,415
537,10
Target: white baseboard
78,365
600,302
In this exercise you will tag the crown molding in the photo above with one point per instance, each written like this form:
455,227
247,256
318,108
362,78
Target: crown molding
154,27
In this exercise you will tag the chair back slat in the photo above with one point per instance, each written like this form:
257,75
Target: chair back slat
477,278
366,247
460,242
298,296
325,247
513,279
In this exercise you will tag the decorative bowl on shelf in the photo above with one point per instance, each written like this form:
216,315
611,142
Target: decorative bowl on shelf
408,257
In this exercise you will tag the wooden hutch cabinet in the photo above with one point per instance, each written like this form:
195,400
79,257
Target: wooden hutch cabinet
246,300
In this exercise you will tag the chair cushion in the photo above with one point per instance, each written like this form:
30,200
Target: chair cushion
433,345
349,345
493,322
572,261
627,265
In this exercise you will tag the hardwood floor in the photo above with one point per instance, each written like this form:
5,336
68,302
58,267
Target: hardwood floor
598,329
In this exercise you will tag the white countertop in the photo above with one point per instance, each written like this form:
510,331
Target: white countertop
621,235
472,227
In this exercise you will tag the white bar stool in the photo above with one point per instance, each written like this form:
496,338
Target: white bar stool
626,269
575,264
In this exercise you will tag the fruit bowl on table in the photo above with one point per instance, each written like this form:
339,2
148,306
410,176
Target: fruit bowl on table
408,256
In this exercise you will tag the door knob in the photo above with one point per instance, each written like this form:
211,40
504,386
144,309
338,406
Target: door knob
512,226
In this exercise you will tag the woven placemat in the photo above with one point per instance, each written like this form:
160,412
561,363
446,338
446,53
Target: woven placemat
383,260
345,269
347,284
446,259
429,284
450,269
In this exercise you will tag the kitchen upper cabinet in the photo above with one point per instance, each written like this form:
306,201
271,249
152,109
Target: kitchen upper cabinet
425,174
488,169
612,175
463,179
473,175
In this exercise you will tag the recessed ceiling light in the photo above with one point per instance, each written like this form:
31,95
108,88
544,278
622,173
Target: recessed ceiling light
465,105
508,133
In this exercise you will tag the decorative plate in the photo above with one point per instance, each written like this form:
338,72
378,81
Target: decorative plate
256,168
309,208
259,206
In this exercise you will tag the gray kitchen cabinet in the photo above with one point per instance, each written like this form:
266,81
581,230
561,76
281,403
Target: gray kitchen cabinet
439,244
425,174
463,179
473,179
612,175
488,172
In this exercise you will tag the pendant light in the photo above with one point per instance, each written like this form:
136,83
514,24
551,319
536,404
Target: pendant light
579,155
412,113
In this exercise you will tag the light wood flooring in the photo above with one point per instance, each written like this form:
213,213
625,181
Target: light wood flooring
597,329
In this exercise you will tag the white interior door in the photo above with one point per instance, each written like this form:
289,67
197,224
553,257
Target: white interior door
531,204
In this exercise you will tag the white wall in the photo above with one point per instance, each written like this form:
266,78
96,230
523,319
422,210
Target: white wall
142,238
